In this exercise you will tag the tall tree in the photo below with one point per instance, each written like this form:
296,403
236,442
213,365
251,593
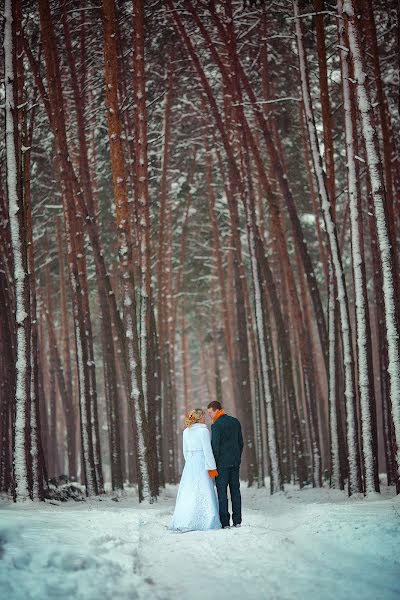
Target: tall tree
363,334
125,248
16,217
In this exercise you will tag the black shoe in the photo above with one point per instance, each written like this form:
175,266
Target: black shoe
226,527
238,525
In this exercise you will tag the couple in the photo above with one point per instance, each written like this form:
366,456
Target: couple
205,459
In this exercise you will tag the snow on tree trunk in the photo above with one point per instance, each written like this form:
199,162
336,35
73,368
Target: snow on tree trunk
143,201
35,442
165,418
351,416
360,291
387,421
378,194
336,475
34,450
20,275
36,453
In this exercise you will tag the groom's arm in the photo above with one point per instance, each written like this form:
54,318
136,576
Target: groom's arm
215,441
240,439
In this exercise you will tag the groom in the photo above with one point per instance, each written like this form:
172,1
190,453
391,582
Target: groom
227,445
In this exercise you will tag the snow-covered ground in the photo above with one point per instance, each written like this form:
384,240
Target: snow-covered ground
313,544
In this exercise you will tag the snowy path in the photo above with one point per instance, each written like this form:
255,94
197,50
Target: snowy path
311,544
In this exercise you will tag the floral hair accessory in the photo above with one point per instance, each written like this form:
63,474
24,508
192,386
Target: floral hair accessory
194,416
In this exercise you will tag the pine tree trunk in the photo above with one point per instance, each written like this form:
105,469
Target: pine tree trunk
383,374
7,381
166,418
142,200
364,363
21,280
125,251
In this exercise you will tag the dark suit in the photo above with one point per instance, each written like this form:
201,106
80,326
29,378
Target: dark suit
227,445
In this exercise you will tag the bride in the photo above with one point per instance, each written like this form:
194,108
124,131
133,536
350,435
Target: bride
196,503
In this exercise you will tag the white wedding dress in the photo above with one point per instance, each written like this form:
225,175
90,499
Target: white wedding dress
196,505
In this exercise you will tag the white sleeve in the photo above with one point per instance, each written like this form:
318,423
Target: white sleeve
185,448
208,453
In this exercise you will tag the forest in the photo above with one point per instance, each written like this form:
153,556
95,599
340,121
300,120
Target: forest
199,200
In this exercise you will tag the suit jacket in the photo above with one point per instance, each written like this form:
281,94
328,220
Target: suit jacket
227,441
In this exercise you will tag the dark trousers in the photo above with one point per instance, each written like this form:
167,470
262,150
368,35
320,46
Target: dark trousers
229,476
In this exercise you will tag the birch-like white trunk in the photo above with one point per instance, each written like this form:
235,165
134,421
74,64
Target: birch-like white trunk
134,391
34,449
20,275
359,284
336,479
143,345
351,421
378,195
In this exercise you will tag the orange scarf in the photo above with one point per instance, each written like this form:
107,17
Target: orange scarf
218,414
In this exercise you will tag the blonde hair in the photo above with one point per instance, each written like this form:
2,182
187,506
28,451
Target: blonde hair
194,416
